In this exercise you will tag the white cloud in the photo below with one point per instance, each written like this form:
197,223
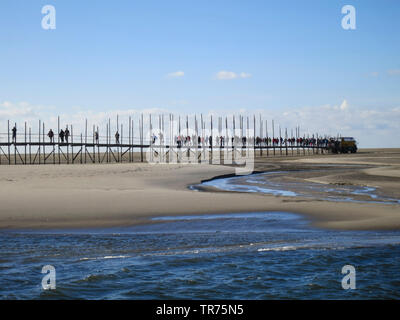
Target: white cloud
176,74
10,110
245,75
226,75
372,126
344,105
230,75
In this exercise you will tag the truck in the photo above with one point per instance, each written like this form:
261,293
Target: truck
343,145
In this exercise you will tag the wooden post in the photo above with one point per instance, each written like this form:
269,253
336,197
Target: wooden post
44,145
72,144
82,149
25,145
164,138
15,147
159,137
286,141
58,139
151,138
109,139
129,140
291,139
312,147
187,132
68,148
94,146
54,151
233,137
170,144
133,141
266,136
261,136
254,133
8,143
203,148
107,143
273,135
226,140
141,140
121,141
30,146
85,138
247,136
212,138
39,140
98,145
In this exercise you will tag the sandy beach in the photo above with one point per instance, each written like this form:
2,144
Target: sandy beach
105,195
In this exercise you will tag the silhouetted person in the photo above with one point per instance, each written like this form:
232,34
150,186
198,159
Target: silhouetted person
117,137
51,135
14,134
96,137
62,135
66,133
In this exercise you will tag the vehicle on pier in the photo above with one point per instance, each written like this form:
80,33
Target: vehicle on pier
343,145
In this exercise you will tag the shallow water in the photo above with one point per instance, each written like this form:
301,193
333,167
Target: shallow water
270,183
269,255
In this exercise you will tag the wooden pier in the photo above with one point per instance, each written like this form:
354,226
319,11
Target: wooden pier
157,139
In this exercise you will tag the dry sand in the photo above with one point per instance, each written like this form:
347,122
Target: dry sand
102,195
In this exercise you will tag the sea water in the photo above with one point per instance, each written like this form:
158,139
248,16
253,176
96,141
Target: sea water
270,255
272,184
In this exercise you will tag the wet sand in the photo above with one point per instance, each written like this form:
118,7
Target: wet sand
105,195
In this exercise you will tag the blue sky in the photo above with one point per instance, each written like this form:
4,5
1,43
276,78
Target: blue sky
294,58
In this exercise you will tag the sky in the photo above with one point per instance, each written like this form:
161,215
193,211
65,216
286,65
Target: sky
290,61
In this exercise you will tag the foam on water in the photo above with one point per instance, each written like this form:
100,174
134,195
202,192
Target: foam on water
226,256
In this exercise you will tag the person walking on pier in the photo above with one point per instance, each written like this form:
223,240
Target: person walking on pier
66,133
117,137
14,134
61,135
51,136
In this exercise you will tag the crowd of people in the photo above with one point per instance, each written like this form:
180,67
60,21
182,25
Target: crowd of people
63,135
221,141
292,142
